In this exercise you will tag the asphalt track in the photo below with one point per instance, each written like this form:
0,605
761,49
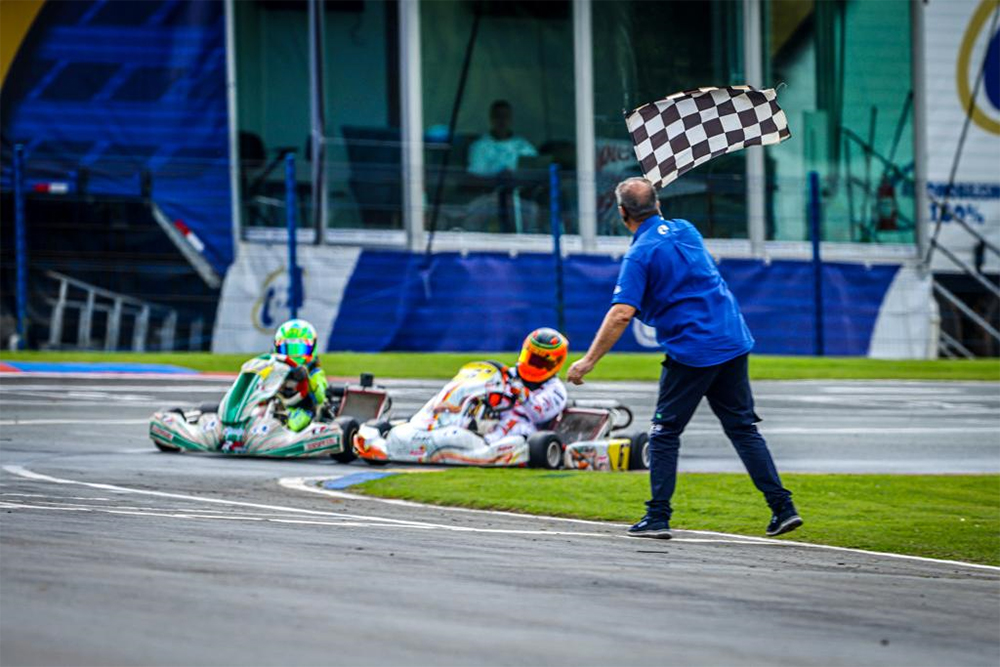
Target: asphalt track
113,553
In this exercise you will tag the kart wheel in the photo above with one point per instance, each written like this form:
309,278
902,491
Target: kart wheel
638,455
545,450
349,426
208,408
168,450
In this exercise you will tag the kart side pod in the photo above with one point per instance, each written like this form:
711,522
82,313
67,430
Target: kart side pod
611,454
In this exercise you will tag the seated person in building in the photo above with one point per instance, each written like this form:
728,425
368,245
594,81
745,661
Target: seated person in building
498,150
493,160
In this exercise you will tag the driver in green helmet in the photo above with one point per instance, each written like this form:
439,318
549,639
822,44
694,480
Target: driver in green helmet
296,339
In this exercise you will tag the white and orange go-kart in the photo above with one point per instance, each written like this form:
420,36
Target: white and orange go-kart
450,429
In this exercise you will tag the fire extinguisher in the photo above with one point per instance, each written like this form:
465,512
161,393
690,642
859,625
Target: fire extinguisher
886,211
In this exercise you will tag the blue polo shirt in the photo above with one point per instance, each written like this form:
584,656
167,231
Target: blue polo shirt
669,277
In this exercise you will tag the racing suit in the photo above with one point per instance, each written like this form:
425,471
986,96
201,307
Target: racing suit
542,403
301,414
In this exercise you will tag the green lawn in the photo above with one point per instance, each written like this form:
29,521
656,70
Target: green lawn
618,366
939,516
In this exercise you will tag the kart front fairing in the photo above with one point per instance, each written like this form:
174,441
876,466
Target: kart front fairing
448,445
263,434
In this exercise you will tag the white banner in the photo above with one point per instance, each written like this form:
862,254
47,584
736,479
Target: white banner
957,38
255,294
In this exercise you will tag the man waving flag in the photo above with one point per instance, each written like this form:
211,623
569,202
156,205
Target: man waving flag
685,130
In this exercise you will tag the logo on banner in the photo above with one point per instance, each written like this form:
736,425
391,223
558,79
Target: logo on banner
271,307
644,334
980,49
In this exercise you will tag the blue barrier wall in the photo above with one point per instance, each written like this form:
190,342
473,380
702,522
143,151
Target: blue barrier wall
489,301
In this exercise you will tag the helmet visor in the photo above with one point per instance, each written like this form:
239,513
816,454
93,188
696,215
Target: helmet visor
296,348
541,362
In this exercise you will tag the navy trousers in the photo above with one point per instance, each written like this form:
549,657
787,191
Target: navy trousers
727,388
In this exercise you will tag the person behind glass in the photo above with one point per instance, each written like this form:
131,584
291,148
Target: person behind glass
493,160
670,282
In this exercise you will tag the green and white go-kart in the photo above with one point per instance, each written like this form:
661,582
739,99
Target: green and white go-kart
250,419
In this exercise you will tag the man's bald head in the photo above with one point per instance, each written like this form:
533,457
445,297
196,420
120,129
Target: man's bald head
638,197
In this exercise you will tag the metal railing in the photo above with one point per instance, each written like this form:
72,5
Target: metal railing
153,325
947,344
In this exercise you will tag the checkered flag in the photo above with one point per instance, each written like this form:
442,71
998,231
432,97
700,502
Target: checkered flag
682,131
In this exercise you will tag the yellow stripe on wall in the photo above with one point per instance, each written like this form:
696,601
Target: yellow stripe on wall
16,17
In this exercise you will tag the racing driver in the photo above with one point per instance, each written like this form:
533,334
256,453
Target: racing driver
296,339
542,395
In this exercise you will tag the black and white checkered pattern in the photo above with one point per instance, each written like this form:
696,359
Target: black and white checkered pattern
682,131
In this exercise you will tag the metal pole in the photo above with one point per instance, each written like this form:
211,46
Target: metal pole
58,313
291,202
555,218
918,73
235,195
20,247
755,170
412,134
815,233
112,334
586,154
317,120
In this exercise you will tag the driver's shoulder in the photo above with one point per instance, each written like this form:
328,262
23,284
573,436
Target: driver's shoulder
554,385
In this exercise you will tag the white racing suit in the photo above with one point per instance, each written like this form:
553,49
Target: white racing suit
542,404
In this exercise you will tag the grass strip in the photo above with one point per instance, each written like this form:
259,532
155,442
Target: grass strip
954,517
617,366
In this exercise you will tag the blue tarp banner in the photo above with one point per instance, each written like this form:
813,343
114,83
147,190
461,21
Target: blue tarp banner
120,89
489,301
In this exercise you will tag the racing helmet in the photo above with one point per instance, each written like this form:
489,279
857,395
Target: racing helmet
542,355
296,339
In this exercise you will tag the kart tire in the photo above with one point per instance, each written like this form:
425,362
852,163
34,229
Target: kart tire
349,426
209,408
638,455
545,450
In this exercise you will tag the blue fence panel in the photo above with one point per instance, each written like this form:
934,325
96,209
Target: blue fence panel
488,301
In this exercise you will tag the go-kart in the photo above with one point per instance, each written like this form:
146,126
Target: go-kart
251,418
451,429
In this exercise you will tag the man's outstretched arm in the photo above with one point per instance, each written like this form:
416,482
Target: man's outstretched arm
615,322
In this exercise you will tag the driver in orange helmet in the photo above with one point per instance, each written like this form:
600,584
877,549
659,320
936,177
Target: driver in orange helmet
543,397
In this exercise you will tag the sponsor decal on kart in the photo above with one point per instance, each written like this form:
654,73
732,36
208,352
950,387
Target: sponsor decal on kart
610,455
321,444
233,433
618,453
161,432
587,457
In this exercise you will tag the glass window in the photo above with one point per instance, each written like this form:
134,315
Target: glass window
644,51
361,91
515,114
361,108
272,70
849,105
